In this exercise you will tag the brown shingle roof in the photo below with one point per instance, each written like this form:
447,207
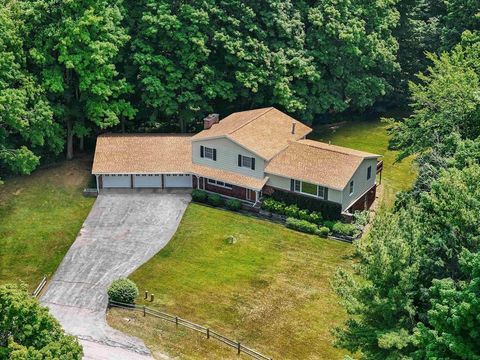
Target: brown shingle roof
229,177
158,153
328,165
142,153
265,132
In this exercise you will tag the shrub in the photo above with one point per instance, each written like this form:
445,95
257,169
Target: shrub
291,211
233,204
361,217
302,225
329,224
199,195
323,231
123,290
274,206
304,214
344,229
215,199
329,209
315,217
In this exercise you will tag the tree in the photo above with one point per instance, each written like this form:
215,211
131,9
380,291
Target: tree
444,101
26,119
406,254
354,52
74,45
28,331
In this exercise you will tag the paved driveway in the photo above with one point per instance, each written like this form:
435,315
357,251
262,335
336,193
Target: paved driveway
123,230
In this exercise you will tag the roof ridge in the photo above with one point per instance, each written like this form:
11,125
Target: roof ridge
249,121
332,150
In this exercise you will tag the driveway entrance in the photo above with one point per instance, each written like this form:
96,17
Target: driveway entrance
123,230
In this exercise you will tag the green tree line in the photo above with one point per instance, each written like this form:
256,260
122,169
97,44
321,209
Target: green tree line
72,69
415,291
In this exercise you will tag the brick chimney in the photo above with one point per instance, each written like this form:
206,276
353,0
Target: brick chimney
210,120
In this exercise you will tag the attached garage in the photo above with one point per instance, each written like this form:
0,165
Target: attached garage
116,181
147,181
178,180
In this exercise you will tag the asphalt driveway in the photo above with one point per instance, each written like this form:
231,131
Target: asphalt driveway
123,230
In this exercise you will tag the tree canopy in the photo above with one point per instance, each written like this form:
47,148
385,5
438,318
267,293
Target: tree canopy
28,331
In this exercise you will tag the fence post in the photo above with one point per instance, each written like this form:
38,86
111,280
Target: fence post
146,294
144,312
208,333
176,320
152,296
238,347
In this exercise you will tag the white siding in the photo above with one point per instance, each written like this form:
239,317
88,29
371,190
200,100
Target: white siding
227,157
361,184
284,183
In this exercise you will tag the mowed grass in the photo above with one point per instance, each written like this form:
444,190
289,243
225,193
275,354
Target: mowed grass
40,216
270,290
371,136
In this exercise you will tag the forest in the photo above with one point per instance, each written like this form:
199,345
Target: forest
70,70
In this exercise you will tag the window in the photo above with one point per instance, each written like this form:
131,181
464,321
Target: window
309,188
246,161
220,183
351,187
298,185
209,153
369,172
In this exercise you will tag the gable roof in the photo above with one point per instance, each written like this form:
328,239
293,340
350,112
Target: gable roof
313,161
142,153
264,132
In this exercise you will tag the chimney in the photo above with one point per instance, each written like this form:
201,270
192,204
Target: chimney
293,128
210,120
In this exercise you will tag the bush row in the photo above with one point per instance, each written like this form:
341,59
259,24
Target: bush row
328,227
328,209
292,211
216,200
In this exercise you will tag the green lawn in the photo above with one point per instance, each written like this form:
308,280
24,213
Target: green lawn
40,216
372,136
270,290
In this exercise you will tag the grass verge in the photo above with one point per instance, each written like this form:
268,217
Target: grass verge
40,216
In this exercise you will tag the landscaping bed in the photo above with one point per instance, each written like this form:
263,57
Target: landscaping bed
293,217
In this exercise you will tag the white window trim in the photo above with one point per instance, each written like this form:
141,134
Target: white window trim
215,183
308,194
249,166
205,148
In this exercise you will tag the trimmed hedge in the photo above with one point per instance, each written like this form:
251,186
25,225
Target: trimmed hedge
215,200
123,290
323,231
302,225
199,195
233,204
328,209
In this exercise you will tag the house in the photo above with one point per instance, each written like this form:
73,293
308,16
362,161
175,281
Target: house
244,156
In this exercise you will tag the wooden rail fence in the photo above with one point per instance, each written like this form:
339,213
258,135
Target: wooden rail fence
210,334
40,287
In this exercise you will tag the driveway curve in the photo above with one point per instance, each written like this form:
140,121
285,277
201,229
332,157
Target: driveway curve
123,230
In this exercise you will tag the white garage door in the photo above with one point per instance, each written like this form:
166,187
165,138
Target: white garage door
148,181
116,181
178,180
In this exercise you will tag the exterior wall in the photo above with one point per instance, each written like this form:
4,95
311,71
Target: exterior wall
227,157
365,201
283,183
361,184
236,191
